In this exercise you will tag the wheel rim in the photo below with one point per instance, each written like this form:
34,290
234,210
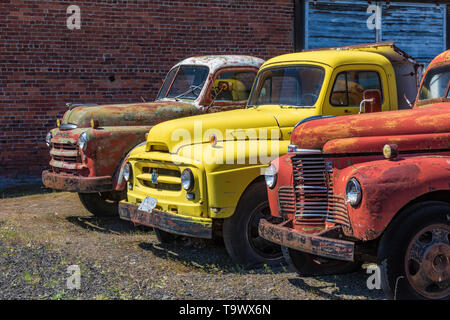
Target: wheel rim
427,262
266,249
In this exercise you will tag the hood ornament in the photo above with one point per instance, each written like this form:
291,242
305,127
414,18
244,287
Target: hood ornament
154,177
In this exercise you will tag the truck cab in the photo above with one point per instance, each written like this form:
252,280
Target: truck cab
203,176
370,188
90,142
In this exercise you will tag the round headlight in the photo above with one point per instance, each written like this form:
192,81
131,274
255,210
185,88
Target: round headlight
127,172
187,179
82,141
48,139
271,176
353,192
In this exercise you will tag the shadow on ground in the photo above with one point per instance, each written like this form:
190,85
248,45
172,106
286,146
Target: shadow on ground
15,191
207,255
104,224
340,284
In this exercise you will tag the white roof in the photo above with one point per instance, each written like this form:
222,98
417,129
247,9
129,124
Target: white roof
215,62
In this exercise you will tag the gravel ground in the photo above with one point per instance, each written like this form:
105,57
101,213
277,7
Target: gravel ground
42,235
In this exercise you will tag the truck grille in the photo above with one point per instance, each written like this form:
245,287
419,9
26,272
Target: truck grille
315,203
62,154
167,179
286,201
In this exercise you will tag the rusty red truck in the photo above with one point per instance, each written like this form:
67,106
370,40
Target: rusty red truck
370,188
90,142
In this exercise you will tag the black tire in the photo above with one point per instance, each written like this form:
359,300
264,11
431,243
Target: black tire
240,231
164,237
104,204
306,264
416,246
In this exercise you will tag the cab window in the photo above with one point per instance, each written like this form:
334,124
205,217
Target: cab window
349,87
292,85
233,86
436,83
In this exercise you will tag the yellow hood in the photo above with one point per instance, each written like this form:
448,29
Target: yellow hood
261,123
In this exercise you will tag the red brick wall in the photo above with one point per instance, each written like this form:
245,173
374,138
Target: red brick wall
43,64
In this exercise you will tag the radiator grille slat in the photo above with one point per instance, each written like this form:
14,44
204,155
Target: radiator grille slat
315,203
161,172
57,154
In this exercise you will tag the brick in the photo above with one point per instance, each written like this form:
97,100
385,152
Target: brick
43,65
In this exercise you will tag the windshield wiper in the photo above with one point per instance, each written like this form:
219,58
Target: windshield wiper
191,89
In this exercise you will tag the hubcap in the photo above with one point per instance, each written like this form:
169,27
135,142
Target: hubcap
262,247
427,262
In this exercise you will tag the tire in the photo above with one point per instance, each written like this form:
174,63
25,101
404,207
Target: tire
164,237
306,264
240,231
105,204
414,253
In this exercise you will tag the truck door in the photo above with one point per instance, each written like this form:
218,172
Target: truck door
347,86
229,88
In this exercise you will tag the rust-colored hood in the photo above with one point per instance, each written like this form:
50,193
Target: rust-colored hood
129,114
416,129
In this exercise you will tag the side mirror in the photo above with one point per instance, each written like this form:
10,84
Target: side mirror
371,101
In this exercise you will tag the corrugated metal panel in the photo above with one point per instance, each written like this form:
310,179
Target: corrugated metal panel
418,29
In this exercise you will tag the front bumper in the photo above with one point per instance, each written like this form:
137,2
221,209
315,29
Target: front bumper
314,244
76,183
172,223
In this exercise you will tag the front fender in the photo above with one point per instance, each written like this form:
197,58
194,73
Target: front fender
107,146
119,183
388,186
231,166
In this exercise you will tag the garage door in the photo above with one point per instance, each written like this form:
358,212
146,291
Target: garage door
418,29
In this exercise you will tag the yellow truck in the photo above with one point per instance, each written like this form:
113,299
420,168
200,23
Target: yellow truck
203,176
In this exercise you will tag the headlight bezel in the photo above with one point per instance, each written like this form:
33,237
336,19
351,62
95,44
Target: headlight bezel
353,192
270,176
187,173
48,139
127,172
82,141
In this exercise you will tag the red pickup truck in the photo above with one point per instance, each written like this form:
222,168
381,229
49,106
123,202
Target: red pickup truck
372,187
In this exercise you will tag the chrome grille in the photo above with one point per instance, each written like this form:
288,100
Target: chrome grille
166,179
286,201
315,202
62,154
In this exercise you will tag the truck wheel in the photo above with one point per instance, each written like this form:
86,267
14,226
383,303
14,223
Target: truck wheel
240,231
163,236
101,204
414,253
306,264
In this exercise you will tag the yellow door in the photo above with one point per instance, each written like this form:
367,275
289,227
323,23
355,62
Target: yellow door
347,86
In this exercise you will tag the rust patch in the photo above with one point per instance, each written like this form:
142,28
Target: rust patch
314,244
76,184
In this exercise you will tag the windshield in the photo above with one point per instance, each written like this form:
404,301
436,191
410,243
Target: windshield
294,86
184,82
435,85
